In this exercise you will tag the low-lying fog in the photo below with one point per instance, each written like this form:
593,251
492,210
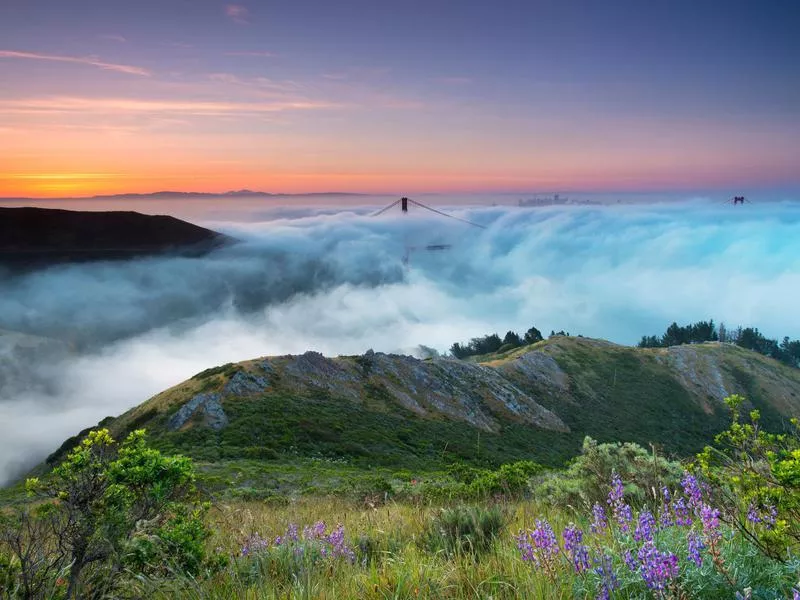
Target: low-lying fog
316,279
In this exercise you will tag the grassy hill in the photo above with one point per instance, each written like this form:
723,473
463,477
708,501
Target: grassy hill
300,422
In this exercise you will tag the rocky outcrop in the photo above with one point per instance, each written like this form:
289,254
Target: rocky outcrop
210,407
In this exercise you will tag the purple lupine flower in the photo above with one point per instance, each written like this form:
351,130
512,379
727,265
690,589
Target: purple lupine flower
630,561
665,518
576,550
645,527
767,515
692,489
624,516
599,522
795,594
770,516
524,546
657,568
608,579
616,499
617,492
253,544
695,547
330,545
314,532
338,547
710,518
753,514
682,515
540,545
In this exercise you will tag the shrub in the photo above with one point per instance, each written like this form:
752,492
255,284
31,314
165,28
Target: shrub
756,476
509,480
464,529
583,483
107,508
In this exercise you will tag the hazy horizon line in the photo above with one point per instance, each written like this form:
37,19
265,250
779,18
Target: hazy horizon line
550,192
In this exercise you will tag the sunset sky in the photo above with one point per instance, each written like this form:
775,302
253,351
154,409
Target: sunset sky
112,96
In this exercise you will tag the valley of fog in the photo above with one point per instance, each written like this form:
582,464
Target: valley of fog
316,279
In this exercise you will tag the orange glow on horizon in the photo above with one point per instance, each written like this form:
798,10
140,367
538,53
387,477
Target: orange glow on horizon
84,184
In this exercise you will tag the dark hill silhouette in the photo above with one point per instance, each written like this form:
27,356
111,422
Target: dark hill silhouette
39,237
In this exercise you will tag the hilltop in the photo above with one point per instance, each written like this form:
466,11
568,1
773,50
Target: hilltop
38,237
397,412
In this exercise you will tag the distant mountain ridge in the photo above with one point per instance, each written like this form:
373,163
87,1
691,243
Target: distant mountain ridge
38,237
536,402
190,195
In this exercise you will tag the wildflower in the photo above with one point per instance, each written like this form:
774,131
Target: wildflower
710,518
608,579
291,532
682,516
657,568
630,561
616,499
665,519
752,514
691,487
538,546
599,523
770,516
314,532
645,527
695,547
766,515
254,543
576,550
617,492
338,547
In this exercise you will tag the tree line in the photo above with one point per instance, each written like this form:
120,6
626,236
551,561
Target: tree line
786,351
491,343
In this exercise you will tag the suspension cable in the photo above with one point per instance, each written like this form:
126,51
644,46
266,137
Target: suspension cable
444,214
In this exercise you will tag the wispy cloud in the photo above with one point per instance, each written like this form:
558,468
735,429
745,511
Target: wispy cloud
358,74
252,54
81,60
257,83
237,13
113,37
130,105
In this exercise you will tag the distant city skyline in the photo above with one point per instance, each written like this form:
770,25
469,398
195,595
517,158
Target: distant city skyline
101,97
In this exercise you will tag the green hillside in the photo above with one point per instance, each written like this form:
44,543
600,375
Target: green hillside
382,413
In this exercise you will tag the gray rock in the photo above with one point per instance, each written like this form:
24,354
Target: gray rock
209,404
245,384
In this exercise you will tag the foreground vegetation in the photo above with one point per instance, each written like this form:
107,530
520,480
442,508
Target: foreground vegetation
125,521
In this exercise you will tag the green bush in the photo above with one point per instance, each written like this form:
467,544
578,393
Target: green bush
106,511
586,479
464,529
509,480
756,477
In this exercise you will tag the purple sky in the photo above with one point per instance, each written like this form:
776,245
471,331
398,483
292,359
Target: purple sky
105,97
